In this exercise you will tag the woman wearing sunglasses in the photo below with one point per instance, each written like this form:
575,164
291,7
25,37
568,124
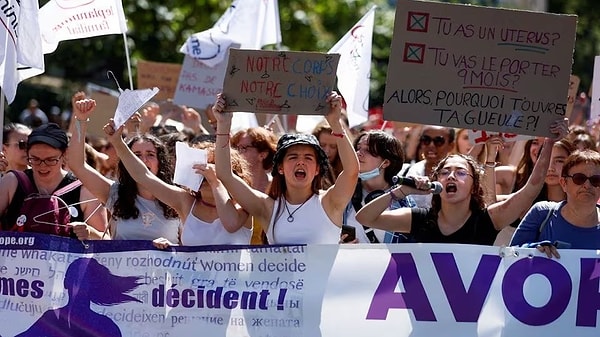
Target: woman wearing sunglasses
435,143
15,146
459,213
572,223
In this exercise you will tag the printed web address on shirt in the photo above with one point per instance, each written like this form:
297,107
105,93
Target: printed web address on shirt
17,240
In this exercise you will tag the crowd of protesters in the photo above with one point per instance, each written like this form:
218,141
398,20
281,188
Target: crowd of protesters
261,187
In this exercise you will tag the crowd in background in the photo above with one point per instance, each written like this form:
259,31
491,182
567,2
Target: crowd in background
262,187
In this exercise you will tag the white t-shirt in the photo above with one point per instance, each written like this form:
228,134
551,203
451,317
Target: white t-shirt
150,224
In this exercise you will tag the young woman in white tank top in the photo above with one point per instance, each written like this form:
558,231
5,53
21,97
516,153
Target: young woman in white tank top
295,210
209,216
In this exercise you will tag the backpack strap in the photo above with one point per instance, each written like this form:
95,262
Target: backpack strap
545,222
24,182
68,188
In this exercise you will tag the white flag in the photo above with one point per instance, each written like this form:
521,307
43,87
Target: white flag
20,47
354,69
250,23
62,20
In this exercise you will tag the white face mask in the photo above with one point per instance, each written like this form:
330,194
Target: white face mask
370,174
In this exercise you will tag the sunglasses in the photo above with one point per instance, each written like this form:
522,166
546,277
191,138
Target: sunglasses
22,144
437,141
580,178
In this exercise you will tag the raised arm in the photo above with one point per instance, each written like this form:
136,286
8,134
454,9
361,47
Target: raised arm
492,145
505,212
95,182
174,196
256,203
375,215
232,217
338,195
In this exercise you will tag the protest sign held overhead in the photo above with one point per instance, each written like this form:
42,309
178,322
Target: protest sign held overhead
279,81
158,74
479,68
199,83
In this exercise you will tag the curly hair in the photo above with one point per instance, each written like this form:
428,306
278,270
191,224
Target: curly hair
477,192
124,207
262,139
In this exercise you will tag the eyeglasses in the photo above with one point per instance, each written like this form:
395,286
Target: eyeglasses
47,161
22,144
437,141
244,148
580,178
461,174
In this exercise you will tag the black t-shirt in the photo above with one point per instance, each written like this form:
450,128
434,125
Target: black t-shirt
71,198
478,229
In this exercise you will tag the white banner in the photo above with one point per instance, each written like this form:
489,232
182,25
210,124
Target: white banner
62,20
57,286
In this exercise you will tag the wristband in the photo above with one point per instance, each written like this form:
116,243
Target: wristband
491,164
339,135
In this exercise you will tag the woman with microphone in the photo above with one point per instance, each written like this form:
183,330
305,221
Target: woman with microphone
458,214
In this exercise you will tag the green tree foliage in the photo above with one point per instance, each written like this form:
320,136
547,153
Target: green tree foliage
157,29
587,43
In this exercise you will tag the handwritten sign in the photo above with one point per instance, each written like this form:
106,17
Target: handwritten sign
198,83
479,68
481,136
158,74
279,81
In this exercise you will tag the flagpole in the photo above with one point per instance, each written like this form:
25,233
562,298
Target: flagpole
128,61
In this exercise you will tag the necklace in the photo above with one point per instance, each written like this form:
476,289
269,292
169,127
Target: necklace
207,204
290,217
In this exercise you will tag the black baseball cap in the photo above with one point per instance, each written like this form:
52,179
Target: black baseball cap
288,140
50,134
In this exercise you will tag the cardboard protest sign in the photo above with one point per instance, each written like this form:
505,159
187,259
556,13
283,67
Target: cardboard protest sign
198,83
481,136
279,81
158,74
106,104
479,68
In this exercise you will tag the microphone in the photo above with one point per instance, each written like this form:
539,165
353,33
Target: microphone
410,182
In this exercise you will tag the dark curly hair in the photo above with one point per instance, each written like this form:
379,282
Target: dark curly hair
477,192
124,207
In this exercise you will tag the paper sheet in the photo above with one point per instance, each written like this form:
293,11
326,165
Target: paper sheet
186,158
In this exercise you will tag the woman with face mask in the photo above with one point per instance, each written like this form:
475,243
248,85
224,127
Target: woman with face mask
459,213
380,158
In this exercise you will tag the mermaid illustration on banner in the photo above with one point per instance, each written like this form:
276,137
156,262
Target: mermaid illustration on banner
86,281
